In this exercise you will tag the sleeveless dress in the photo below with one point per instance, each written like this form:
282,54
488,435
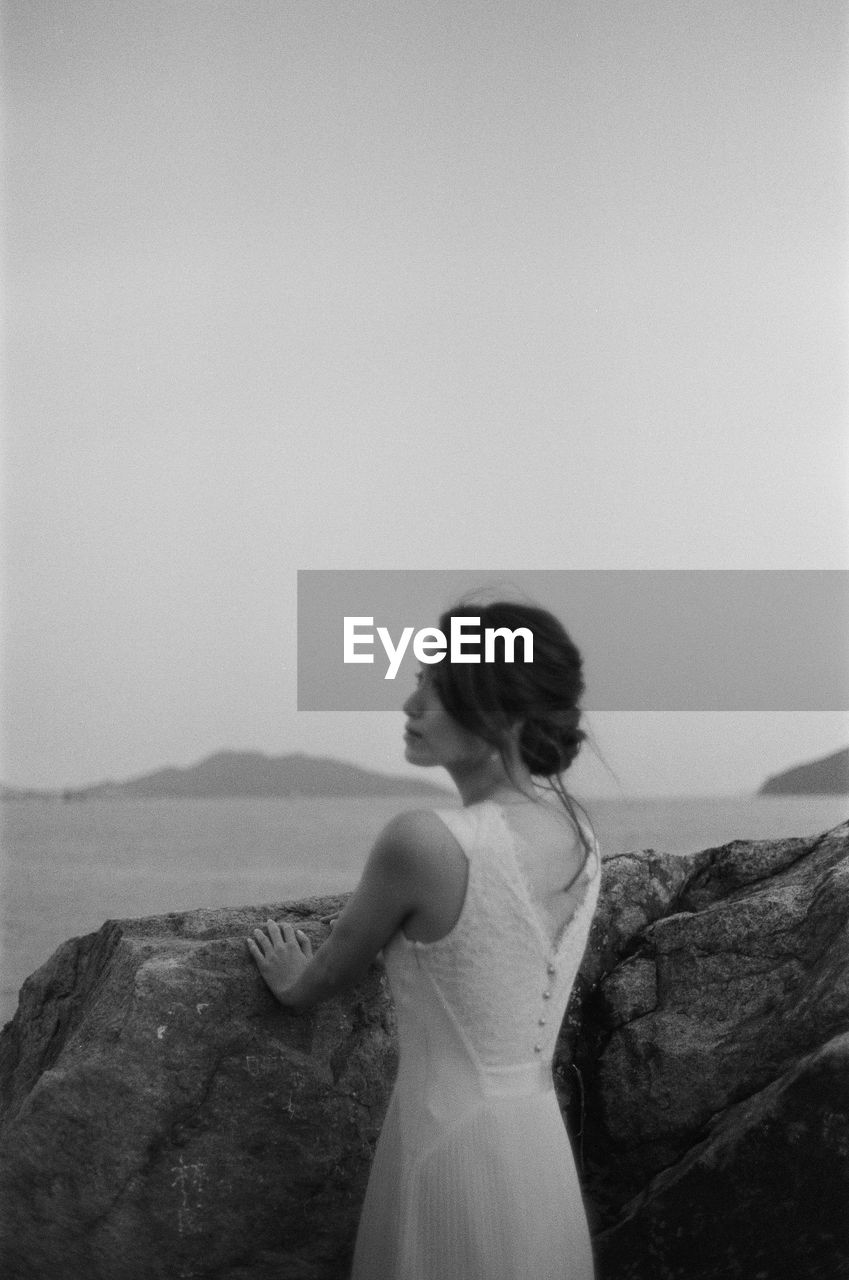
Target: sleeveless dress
473,1176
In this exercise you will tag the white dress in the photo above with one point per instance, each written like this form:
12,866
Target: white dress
473,1176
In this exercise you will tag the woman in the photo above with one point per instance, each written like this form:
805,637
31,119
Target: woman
483,914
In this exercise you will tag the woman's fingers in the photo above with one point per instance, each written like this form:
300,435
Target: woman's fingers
260,946
263,945
262,942
289,935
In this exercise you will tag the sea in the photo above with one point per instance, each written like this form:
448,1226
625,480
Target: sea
67,866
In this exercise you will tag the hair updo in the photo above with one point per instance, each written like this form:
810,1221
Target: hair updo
550,745
489,698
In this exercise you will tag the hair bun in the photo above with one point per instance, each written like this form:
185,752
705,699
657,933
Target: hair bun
549,745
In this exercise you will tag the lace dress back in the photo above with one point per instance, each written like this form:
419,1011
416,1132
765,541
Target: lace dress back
473,1177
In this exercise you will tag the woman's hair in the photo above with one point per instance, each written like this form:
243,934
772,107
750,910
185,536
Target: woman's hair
488,698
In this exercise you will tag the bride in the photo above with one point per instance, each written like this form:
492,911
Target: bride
483,914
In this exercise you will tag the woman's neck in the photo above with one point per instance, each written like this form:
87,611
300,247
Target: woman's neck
490,780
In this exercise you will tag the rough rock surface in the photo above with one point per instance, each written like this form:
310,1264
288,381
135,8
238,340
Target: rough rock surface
163,1118
717,1050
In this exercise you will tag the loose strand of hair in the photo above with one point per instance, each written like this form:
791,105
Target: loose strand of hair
570,804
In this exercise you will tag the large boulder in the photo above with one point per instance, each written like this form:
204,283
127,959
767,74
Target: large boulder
717,1054
163,1117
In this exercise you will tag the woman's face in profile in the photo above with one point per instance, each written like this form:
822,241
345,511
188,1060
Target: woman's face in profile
431,736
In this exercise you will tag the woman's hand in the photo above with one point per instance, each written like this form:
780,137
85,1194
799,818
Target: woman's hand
281,956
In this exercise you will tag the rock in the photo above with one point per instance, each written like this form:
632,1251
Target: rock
765,1194
163,1118
717,1106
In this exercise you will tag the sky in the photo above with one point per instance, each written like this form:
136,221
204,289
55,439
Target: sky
301,284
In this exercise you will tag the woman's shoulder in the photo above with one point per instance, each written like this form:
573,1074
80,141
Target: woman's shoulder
419,850
417,835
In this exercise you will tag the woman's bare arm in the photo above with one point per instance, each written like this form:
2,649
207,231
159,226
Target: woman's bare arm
402,869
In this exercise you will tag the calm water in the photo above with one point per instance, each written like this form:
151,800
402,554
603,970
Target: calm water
69,867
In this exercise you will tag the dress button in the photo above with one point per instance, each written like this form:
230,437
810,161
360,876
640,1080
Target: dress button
546,995
537,1048
552,969
541,1022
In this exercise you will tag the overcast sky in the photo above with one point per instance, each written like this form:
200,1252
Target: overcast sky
437,284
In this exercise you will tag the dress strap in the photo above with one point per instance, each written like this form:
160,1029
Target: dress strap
460,822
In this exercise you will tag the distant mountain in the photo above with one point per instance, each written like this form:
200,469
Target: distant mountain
826,777
22,793
250,773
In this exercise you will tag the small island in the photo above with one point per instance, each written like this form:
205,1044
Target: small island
826,777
